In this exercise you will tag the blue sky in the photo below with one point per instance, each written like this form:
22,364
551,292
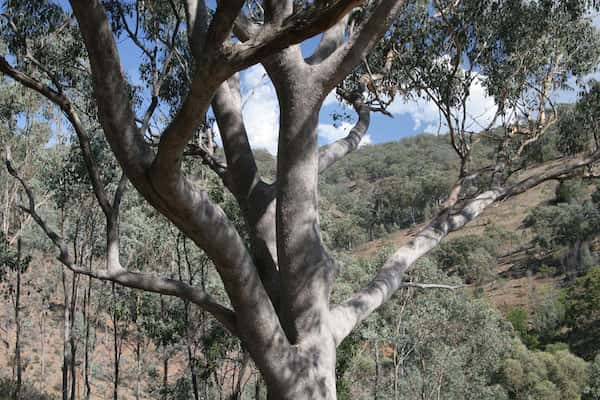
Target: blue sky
409,117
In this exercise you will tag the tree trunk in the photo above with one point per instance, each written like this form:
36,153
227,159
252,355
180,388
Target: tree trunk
165,372
191,363
377,371
66,335
306,374
18,324
116,346
138,361
86,355
186,321
257,388
43,345
72,339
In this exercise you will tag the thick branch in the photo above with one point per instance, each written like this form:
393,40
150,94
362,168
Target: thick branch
277,10
348,314
111,89
430,286
343,60
335,151
253,195
317,18
223,21
330,41
227,106
197,21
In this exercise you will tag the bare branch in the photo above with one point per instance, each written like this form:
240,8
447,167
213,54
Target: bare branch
430,286
84,143
210,161
136,280
31,83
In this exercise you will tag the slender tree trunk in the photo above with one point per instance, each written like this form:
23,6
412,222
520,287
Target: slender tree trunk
138,349
66,335
116,347
6,210
257,388
72,339
18,324
116,361
377,371
43,345
239,386
165,372
192,362
186,321
86,356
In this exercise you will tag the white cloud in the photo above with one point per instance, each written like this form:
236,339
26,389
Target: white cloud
331,133
261,112
421,111
481,108
426,116
331,99
260,109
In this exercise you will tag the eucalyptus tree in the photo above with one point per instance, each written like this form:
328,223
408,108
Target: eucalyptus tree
279,286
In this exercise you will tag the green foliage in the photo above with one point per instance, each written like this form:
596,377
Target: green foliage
548,316
566,227
382,188
541,375
564,224
592,390
579,125
9,258
446,343
161,319
473,257
583,311
346,355
519,318
570,191
181,389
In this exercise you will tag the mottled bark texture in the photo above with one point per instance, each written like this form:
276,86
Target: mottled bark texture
280,287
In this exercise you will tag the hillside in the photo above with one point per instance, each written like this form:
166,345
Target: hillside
512,287
384,192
